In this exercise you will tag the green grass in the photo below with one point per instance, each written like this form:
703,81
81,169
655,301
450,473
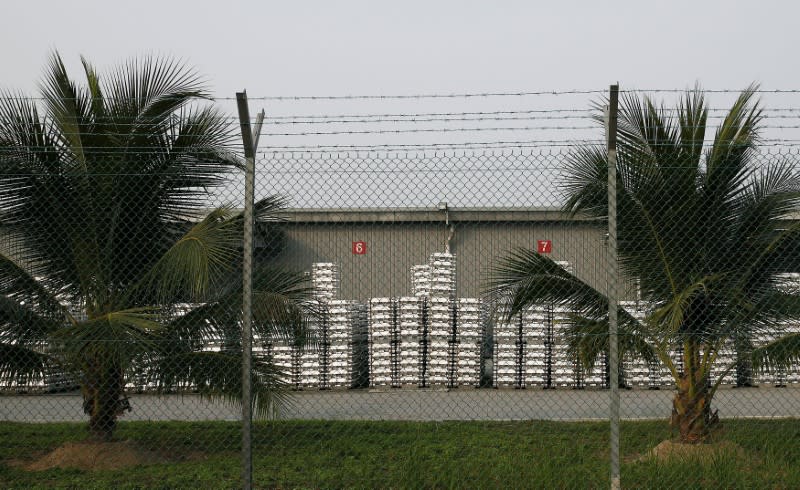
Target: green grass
320,454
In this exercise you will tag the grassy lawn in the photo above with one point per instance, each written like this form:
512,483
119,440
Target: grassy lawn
410,455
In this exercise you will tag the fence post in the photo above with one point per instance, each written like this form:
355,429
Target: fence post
613,282
250,142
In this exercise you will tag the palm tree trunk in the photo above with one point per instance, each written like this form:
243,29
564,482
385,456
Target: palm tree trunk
102,391
691,406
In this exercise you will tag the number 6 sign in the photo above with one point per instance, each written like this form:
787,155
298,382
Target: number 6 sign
359,248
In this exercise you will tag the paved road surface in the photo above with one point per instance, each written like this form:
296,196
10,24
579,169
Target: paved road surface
461,404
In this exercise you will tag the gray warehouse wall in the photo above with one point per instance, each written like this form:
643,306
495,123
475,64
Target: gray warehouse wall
382,271
393,247
479,245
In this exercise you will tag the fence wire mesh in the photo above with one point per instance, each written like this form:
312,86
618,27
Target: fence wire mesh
427,315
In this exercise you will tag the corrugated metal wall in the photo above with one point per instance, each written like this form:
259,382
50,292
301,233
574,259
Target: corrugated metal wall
392,248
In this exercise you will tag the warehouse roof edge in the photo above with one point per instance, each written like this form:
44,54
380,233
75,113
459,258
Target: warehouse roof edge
416,215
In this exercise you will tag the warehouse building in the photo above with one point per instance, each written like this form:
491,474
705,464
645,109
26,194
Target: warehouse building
375,249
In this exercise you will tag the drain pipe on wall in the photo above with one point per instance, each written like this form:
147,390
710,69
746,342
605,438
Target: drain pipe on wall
449,238
447,225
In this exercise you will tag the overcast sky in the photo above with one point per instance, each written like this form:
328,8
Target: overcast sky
418,47
343,47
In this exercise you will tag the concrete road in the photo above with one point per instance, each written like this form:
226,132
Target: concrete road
410,404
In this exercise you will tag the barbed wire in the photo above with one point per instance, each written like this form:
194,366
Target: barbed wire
564,135
412,119
573,142
501,94
530,144
415,118
431,114
427,130
470,116
708,91
466,95
588,112
463,95
541,165
470,129
421,146
460,95
434,130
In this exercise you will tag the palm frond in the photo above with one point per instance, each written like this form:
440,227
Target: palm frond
672,317
585,182
24,324
95,92
525,278
728,163
734,138
770,256
766,247
196,158
646,132
26,146
692,120
117,336
23,365
777,355
19,286
778,307
283,309
195,263
218,375
588,338
69,107
150,88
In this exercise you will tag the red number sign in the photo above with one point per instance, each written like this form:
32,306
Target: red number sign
359,248
544,246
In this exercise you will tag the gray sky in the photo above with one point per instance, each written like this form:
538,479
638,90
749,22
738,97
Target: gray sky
418,47
343,47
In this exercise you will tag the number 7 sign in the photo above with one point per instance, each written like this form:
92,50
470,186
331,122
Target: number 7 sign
544,246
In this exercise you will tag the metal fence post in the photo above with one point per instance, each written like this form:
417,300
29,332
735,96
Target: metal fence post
249,140
613,282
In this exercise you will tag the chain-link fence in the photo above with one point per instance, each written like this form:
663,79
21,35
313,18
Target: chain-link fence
428,316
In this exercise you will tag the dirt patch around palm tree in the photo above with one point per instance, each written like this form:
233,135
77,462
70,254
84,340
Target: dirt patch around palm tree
91,455
703,453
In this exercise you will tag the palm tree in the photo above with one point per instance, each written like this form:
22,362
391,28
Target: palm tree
702,229
111,267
